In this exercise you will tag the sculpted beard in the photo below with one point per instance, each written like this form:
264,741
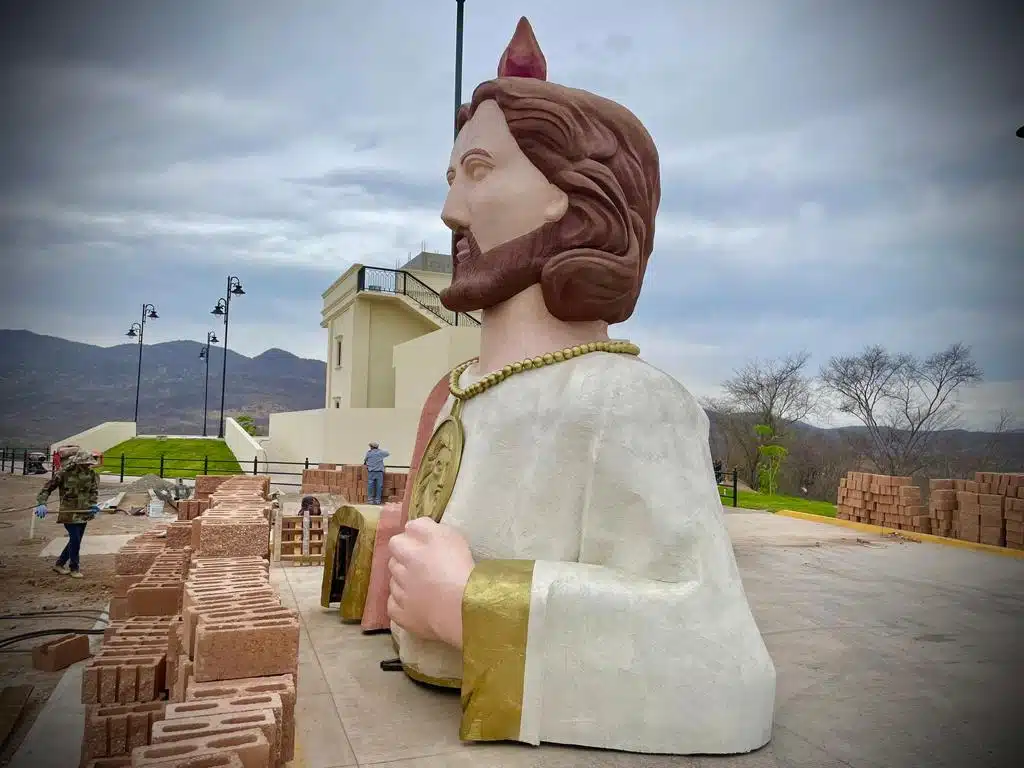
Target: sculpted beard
483,280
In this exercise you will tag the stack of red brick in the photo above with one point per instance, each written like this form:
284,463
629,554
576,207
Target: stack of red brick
200,667
891,502
986,510
350,482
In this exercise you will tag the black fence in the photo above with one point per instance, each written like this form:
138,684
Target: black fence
175,466
24,461
380,280
728,486
13,461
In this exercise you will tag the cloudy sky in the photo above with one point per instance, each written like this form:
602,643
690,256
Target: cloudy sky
835,173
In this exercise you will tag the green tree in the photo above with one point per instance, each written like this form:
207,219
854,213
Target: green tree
772,455
246,422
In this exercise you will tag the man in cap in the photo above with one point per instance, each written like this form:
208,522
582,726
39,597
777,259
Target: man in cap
374,462
79,487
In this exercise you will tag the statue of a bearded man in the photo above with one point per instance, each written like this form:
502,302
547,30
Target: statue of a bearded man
572,573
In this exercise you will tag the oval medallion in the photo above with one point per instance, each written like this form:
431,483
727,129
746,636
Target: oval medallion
438,470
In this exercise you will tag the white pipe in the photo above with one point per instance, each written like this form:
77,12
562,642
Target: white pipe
32,525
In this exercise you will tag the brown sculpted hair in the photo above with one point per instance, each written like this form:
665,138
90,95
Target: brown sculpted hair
602,157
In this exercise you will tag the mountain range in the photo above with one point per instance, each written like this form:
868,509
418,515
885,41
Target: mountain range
51,388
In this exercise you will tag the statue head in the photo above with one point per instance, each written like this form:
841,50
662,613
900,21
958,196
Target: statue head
549,185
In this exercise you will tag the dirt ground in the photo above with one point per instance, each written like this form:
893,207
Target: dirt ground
30,586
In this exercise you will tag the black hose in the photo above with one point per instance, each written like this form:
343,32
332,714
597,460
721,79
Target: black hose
98,613
44,632
67,615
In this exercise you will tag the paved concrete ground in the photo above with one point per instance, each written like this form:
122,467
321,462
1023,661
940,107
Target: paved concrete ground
889,654
55,739
98,544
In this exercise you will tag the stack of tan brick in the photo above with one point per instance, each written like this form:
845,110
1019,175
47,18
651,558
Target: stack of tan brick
989,510
942,505
350,482
891,502
200,669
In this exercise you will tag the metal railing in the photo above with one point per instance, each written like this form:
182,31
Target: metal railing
728,486
400,283
17,461
175,466
13,460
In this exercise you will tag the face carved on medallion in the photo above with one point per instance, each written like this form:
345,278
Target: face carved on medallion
436,476
549,185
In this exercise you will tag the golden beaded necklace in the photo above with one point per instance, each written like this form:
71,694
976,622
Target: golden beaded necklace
439,466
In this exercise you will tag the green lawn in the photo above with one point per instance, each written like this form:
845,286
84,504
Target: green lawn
182,457
755,500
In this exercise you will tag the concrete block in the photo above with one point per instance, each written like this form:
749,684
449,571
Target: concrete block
183,729
251,748
213,537
123,678
156,597
60,653
260,600
112,731
282,685
254,644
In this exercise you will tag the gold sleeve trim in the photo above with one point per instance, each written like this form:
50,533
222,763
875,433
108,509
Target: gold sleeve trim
357,580
495,617
438,682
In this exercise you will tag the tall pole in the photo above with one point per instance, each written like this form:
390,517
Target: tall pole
223,308
138,375
206,387
459,15
210,337
224,362
148,312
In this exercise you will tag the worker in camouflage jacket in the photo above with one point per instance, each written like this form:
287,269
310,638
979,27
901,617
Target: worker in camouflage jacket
79,493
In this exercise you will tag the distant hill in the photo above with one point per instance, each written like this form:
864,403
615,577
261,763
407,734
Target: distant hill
51,388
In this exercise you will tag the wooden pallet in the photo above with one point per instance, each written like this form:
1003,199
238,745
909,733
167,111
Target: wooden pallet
287,543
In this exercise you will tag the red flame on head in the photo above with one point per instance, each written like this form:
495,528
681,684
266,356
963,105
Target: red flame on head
523,56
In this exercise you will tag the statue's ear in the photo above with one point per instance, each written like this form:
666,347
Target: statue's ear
558,205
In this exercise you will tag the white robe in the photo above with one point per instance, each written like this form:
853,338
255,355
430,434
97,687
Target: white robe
640,637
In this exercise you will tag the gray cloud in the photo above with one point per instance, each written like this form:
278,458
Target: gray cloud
835,174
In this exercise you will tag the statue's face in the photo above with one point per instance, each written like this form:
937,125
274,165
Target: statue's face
495,192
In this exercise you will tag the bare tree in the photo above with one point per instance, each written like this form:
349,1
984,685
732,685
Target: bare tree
776,392
955,455
737,438
902,401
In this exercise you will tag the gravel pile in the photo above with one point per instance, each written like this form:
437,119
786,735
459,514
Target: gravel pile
151,483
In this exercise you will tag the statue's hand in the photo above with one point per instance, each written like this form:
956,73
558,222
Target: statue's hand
430,565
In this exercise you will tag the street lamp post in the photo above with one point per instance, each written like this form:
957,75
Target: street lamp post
223,309
139,329
459,14
204,354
